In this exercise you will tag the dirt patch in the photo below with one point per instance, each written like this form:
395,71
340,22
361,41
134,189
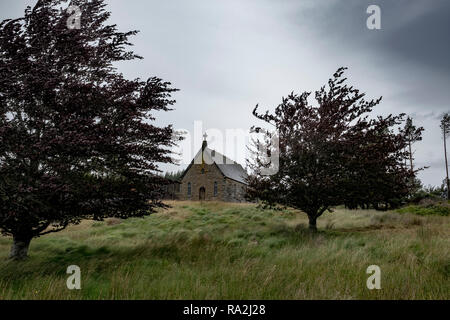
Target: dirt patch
113,221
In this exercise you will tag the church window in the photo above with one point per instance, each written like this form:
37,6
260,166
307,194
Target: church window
215,188
189,189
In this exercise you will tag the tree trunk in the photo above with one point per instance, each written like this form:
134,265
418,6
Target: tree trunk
446,168
410,156
19,248
312,223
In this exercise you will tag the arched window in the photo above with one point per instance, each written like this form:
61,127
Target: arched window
189,189
215,188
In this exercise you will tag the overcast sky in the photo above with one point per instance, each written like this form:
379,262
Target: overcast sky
227,56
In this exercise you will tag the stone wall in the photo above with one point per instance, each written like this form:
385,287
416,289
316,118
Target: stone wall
234,191
227,189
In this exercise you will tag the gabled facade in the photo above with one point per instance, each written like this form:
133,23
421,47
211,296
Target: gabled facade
212,176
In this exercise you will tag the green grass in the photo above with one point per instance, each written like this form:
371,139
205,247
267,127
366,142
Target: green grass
237,251
426,210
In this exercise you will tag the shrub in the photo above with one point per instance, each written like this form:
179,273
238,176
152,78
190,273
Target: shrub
426,210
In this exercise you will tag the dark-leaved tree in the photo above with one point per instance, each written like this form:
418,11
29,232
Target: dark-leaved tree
333,153
413,135
76,137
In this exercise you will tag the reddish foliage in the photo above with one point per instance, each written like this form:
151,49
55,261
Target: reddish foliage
76,137
333,153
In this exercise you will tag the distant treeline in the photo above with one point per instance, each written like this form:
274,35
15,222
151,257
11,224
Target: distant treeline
174,176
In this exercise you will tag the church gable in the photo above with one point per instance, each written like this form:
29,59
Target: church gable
212,176
202,182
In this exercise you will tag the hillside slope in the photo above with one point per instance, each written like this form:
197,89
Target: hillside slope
237,251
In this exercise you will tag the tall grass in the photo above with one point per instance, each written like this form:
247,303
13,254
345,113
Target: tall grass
215,250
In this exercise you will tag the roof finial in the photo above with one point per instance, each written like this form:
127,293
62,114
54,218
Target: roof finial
205,143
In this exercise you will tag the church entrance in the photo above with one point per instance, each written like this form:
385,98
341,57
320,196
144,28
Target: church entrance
201,194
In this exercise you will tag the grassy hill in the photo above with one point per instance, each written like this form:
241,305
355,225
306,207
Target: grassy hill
237,251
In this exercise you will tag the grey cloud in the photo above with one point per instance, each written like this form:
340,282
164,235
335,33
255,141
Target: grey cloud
226,56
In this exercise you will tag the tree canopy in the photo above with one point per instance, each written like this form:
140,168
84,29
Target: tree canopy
334,153
77,139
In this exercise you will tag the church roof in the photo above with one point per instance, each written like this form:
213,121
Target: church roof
228,167
234,171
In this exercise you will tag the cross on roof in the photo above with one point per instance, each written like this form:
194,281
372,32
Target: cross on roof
205,136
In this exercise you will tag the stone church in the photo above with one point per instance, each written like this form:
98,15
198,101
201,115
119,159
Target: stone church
212,176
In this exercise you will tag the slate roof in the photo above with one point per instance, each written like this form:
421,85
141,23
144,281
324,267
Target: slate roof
234,171
228,167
